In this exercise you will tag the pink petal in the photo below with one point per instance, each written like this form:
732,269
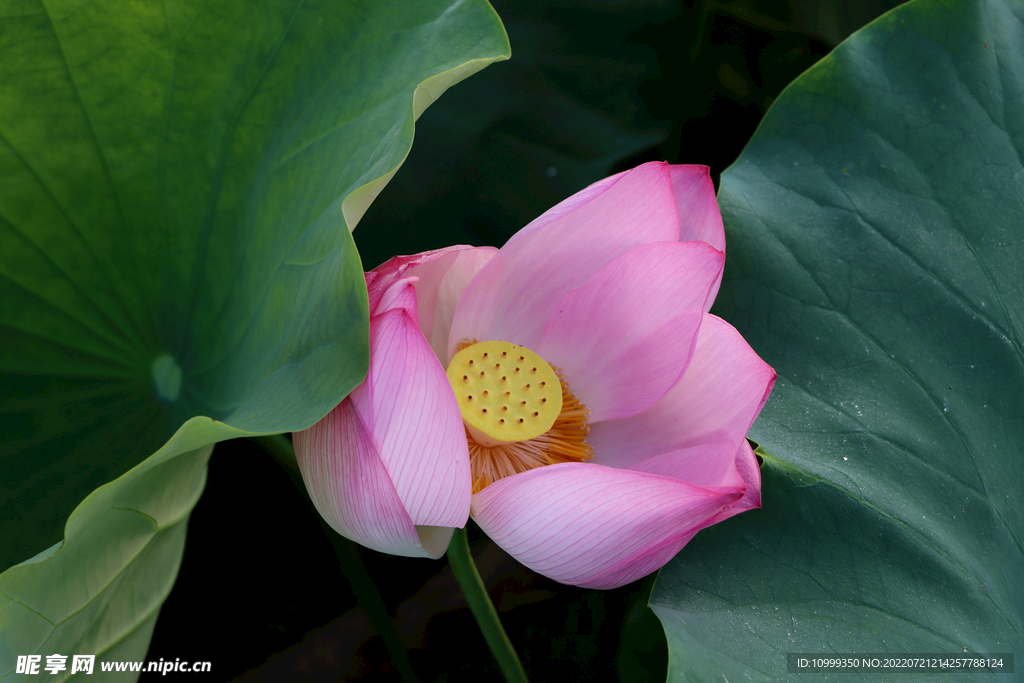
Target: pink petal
386,274
513,295
624,338
441,284
567,206
746,465
442,275
699,216
399,295
411,414
703,464
717,399
647,563
350,486
389,467
587,525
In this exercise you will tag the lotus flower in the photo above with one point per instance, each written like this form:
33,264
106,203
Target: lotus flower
569,391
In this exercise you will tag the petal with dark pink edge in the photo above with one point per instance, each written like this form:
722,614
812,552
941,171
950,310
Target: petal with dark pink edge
746,465
351,488
412,416
624,338
513,295
747,469
699,215
577,522
716,400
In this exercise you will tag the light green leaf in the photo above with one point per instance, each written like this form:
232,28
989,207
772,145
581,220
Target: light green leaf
875,228
178,180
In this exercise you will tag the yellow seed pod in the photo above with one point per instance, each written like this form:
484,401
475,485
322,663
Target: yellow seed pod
506,392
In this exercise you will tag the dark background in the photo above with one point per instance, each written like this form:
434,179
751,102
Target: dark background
265,592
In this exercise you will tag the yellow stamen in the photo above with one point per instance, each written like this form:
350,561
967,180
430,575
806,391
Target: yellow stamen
563,416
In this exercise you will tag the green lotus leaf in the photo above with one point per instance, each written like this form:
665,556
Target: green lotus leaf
875,228
178,182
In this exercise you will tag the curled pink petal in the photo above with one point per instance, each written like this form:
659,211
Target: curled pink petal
441,277
586,525
415,421
399,295
513,295
390,464
624,338
350,486
386,274
716,400
746,465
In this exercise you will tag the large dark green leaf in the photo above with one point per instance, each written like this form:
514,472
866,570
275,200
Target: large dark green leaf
178,182
875,229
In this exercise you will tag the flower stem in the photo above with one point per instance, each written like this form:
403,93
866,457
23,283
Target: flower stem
461,561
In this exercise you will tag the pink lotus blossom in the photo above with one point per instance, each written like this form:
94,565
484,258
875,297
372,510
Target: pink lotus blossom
593,415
